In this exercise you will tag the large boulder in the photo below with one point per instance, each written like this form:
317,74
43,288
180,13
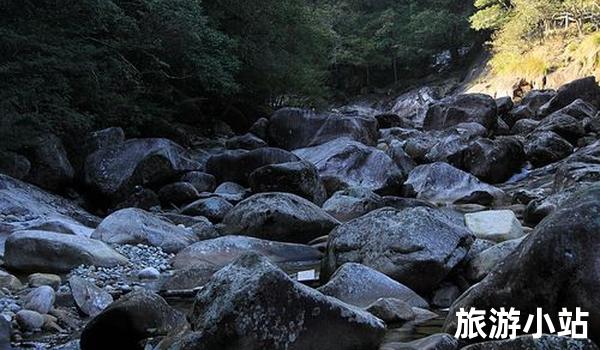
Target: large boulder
441,182
483,262
293,128
452,141
579,110
214,208
524,127
40,251
115,171
219,252
413,104
50,165
586,89
299,178
362,286
280,217
467,108
564,125
556,266
536,99
130,320
23,206
417,247
492,161
253,305
236,166
352,203
89,298
102,139
134,226
345,163
543,148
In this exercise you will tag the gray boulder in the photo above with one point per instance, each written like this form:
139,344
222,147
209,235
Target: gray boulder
280,217
236,166
468,108
299,178
362,286
524,127
219,252
115,171
579,110
203,182
345,163
129,320
452,141
543,148
254,305
102,139
441,182
133,226
585,89
417,247
89,298
564,125
352,203
40,251
213,208
482,263
537,98
293,128
50,165
492,161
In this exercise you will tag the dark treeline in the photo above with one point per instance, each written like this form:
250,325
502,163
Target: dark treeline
69,66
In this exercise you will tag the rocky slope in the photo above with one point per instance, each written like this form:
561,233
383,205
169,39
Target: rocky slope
312,231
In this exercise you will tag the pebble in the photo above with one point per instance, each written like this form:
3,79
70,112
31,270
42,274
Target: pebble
44,279
29,320
41,299
149,273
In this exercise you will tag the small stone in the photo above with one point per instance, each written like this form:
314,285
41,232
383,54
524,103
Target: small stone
44,279
10,282
149,273
29,320
41,299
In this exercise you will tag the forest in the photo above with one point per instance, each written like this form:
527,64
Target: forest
70,66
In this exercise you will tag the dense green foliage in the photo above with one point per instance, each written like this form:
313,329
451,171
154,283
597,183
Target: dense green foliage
68,66
397,39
